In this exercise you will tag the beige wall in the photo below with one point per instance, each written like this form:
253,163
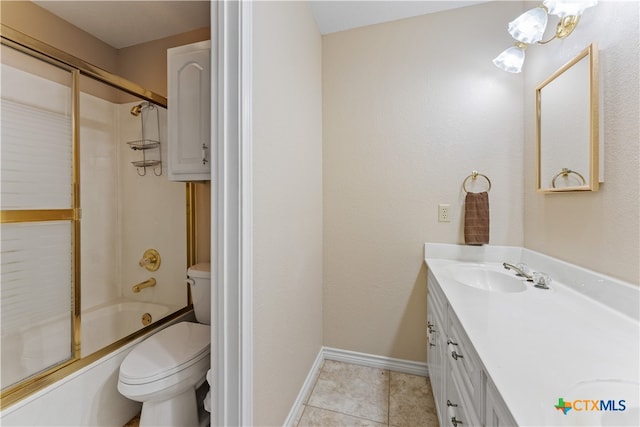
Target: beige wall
287,179
147,62
144,64
411,108
41,24
599,230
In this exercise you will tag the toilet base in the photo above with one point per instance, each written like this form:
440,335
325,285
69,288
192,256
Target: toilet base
180,410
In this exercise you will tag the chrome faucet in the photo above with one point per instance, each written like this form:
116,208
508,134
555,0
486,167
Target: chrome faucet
518,271
540,280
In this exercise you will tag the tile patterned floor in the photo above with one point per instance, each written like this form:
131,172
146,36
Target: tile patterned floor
352,395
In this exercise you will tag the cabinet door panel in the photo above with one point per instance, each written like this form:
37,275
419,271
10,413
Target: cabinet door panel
435,353
497,414
459,405
189,112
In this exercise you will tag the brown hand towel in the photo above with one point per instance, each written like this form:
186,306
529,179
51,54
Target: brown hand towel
476,218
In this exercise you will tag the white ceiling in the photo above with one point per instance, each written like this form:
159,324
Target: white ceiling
126,23
339,15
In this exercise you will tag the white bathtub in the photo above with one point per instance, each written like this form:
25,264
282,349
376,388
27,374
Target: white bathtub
89,396
107,324
34,347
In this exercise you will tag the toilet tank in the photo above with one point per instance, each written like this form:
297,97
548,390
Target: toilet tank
199,279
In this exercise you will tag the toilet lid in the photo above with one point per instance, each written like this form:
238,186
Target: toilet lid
165,353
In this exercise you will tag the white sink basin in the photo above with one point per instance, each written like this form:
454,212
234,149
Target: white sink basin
488,280
621,405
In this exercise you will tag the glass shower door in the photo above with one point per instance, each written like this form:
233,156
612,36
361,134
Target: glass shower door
38,201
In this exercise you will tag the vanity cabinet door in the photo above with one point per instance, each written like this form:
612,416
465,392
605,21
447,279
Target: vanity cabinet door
458,405
189,112
496,412
436,354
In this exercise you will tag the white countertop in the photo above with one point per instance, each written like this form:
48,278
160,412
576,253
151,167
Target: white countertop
537,344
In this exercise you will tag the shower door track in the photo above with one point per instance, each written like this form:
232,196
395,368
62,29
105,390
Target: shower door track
35,47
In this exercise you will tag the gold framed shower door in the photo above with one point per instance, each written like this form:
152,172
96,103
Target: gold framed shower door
77,67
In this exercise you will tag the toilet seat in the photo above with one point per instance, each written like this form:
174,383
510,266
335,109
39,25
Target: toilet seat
165,354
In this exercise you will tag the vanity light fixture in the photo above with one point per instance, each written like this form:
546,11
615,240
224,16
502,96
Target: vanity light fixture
529,28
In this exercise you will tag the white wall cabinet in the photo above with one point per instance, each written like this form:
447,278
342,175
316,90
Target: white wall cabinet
464,394
189,112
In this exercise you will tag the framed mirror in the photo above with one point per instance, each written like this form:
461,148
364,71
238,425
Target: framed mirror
567,126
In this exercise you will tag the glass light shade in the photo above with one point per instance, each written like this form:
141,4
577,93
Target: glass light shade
564,8
529,27
510,60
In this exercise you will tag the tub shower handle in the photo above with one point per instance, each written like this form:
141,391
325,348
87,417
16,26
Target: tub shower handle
150,260
146,284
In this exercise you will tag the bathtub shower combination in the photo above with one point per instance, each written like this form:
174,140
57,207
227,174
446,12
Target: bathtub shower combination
104,325
80,216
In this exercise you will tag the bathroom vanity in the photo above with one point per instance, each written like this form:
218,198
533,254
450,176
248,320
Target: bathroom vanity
502,352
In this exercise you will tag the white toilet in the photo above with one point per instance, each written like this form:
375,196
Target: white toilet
164,370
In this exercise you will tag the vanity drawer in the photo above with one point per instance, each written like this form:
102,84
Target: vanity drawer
464,362
435,292
437,312
436,308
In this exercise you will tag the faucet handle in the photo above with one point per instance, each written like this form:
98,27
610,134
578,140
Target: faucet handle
524,268
541,280
150,260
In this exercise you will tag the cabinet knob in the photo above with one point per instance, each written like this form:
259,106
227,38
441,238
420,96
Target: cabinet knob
451,404
455,355
455,422
204,154
451,342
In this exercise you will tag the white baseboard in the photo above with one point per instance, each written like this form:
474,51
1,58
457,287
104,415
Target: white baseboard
362,359
305,391
373,361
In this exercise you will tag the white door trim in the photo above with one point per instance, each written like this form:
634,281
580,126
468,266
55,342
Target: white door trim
246,146
231,216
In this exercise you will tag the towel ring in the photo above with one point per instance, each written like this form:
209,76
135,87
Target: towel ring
565,172
474,175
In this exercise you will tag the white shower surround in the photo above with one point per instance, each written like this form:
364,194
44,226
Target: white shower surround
115,198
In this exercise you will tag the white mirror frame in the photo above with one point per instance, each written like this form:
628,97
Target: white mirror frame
591,179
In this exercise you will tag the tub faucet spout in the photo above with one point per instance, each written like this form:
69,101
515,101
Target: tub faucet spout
518,271
146,284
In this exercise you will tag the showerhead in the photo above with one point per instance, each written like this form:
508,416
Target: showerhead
137,109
